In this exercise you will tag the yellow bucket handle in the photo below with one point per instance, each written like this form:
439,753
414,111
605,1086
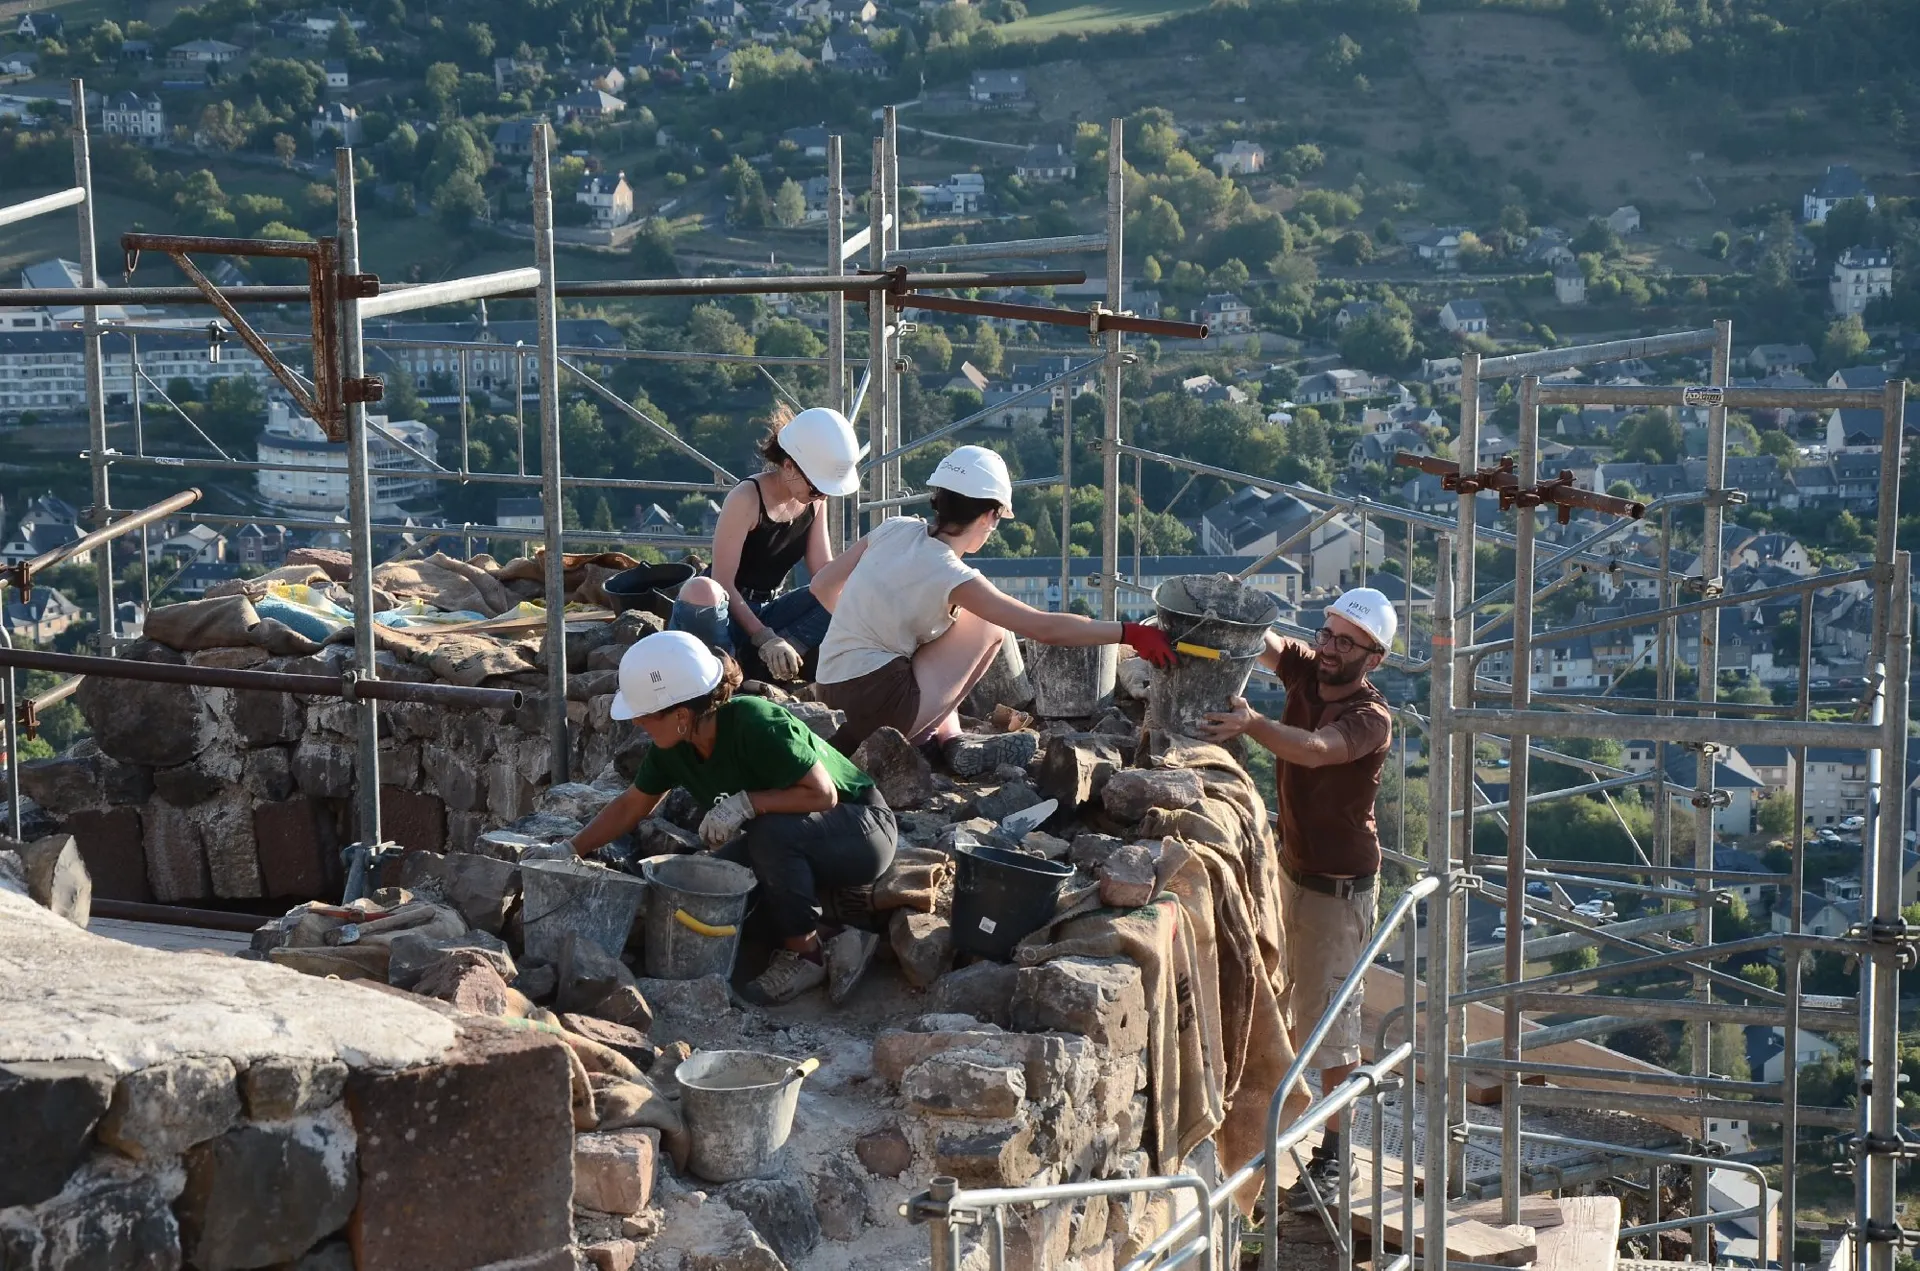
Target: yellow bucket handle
1198,651
693,924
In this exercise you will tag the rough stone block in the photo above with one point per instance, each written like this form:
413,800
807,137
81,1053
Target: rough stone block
297,848
125,784
994,1156
259,1194
575,799
413,954
962,1083
657,837
452,777
269,773
630,749
1130,792
166,1109
983,990
400,764
57,877
612,1255
49,1109
896,765
1037,1239
267,719
481,888
509,795
821,718
176,857
413,820
279,1088
1127,877
64,785
839,1198
923,943
467,981
462,829
110,844
781,1211
186,785
226,828
1090,850
886,1153
138,722
623,1039
1054,1066
470,1160
109,1220
997,805
323,769
613,1170
1097,998
1075,768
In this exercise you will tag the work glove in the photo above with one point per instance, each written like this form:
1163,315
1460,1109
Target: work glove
725,819
1149,642
561,851
782,659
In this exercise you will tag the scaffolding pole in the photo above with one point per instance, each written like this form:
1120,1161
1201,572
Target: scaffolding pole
552,501
1110,379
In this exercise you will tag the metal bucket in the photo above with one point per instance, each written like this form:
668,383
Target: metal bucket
739,1107
1072,683
1217,613
693,912
567,898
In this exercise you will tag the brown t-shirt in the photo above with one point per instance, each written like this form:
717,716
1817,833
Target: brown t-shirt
1326,814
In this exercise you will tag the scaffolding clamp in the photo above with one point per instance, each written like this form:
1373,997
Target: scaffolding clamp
1708,587
1871,1144
29,718
365,389
1559,491
1875,1233
1711,799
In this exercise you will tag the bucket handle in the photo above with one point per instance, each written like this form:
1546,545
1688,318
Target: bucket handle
694,925
804,1069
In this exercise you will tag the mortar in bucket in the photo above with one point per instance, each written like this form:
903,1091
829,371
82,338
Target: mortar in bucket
693,912
738,1106
1001,897
570,898
1217,626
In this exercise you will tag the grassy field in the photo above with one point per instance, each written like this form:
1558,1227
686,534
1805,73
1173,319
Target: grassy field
1049,18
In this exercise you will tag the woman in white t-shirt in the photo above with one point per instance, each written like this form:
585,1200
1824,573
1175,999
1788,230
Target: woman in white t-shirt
915,627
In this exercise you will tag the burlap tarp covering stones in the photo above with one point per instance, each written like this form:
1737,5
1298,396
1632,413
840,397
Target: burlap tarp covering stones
445,583
582,573
1210,956
466,660
915,880
222,623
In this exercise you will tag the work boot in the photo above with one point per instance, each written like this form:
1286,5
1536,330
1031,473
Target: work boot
1324,1172
972,754
849,954
786,977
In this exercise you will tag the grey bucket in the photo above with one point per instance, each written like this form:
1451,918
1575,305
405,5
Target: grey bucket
568,898
1072,682
1210,611
739,1107
694,908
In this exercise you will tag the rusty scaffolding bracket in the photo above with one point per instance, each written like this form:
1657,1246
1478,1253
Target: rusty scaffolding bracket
1503,480
1096,321
326,288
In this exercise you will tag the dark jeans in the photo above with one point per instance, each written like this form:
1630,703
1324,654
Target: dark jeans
796,615
797,858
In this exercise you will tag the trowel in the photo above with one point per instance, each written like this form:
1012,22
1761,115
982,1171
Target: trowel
1015,826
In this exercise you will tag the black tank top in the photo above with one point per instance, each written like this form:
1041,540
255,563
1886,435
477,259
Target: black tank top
771,549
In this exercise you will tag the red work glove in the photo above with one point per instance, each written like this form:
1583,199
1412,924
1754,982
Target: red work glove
1149,642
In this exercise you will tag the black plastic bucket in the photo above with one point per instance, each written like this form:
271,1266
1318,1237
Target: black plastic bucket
648,587
1002,897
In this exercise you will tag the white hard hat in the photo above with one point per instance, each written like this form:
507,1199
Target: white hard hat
976,472
1371,611
662,670
821,444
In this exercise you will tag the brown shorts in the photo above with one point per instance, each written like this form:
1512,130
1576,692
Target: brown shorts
886,697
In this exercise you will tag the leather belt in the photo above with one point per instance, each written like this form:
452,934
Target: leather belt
1338,888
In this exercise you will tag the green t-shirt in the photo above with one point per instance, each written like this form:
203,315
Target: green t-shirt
757,745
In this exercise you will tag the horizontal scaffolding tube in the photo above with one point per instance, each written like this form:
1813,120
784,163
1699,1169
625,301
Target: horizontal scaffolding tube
428,474
1625,1076
1490,958
1819,1018
464,529
107,533
923,496
452,291
1759,732
1620,705
1057,317
997,251
266,681
1593,787
1547,361
1627,1101
1731,398
14,213
948,429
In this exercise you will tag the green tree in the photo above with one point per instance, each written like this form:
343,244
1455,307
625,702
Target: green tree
790,203
930,348
285,148
1776,811
460,202
1380,341
1719,245
987,353
1653,437
1584,958
1760,975
1781,446
1845,344
1156,228
1728,1055
1353,248
751,208
442,83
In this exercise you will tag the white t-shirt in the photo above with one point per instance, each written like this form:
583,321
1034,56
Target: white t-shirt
895,600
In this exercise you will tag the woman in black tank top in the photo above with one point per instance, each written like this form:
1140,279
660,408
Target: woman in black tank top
768,524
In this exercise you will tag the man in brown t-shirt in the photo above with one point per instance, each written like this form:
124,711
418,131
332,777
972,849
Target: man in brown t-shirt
1329,746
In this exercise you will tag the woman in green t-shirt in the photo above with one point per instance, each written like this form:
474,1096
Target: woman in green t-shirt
778,797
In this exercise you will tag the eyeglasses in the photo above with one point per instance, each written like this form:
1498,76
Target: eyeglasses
1344,645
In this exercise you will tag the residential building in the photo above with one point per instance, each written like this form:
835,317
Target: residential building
1624,220
587,106
339,119
1049,162
1225,314
1340,384
1210,390
43,24
49,522
988,90
1549,248
1354,311
1005,412
195,545
1242,158
1381,448
817,192
1569,283
1836,785
810,141
851,55
1733,860
1773,765
1777,359
1836,186
1442,374
201,54
339,79
1859,377
518,513
1254,522
1766,1042
511,74
40,616
19,64
1464,317
1035,580
1439,248
606,78
317,481
1862,430
411,346
968,377
609,198
514,137
852,11
1860,276
721,15
138,117
44,371
263,545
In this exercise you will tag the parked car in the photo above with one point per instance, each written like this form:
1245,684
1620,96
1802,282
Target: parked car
1527,923
1829,835
1853,823
1598,910
1540,889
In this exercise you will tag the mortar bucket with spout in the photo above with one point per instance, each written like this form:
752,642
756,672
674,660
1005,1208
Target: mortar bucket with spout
739,1107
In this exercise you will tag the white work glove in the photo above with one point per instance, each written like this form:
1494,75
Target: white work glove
725,819
782,659
561,851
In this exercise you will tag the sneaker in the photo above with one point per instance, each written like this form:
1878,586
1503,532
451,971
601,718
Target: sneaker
1324,1173
971,754
849,954
786,977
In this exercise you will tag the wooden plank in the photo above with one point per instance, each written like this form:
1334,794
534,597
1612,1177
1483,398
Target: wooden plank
1468,1239
1587,1240
1535,1211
